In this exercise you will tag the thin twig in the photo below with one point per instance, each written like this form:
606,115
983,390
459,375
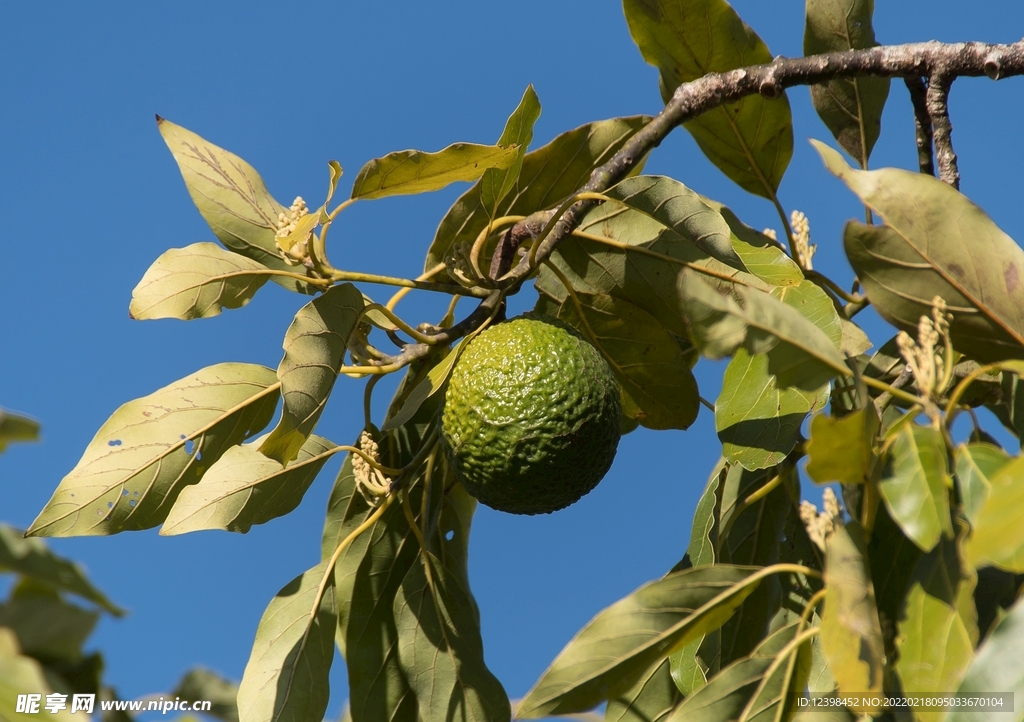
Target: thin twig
922,124
938,109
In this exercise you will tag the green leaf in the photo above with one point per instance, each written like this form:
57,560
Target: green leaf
998,535
995,667
440,648
855,341
758,417
760,254
20,674
975,464
14,427
915,485
651,699
286,677
642,267
675,206
751,533
851,635
935,243
47,627
232,198
751,140
434,382
413,171
742,687
197,281
245,488
894,559
314,347
32,559
153,447
658,387
850,107
548,176
938,625
385,680
759,423
842,449
496,183
204,684
806,356
612,652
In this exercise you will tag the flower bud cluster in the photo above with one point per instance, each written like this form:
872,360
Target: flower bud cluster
821,525
287,222
802,246
371,481
925,356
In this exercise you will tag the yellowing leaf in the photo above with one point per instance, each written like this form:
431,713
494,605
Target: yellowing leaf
197,281
842,449
232,198
153,447
850,631
245,488
998,535
549,174
413,171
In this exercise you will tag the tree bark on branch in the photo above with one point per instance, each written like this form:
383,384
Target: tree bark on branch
941,63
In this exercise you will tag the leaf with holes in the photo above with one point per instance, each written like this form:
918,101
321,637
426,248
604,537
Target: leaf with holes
548,176
751,140
658,387
850,107
496,183
314,347
232,198
32,559
197,281
413,171
935,243
916,483
611,653
286,677
245,488
153,447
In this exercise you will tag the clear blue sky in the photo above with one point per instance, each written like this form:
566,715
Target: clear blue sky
90,197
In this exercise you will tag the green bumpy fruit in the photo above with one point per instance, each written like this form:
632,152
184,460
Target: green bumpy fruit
531,417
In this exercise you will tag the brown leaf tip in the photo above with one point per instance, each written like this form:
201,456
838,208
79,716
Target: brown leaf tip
159,120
